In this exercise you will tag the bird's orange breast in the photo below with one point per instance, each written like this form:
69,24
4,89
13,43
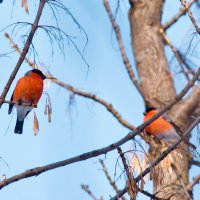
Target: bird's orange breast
157,127
28,89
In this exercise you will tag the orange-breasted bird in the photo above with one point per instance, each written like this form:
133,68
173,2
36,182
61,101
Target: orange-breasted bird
163,127
28,90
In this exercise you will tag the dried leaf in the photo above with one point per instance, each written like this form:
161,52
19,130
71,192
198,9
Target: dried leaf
45,109
137,163
132,188
146,161
49,102
25,5
131,184
35,125
49,113
151,173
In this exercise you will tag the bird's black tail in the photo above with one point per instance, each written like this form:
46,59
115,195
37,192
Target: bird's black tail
19,127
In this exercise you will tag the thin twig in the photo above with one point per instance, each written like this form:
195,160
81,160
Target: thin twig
87,190
180,13
132,187
14,46
195,162
186,63
24,51
122,50
112,183
104,103
174,50
179,177
162,156
183,2
195,180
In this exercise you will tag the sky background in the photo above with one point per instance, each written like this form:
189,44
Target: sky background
85,126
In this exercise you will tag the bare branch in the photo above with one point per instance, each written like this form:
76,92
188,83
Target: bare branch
24,51
87,190
122,50
186,6
132,187
107,105
112,183
174,50
193,183
195,162
176,17
162,156
14,46
187,63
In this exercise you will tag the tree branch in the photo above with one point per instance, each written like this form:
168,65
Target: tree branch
87,190
122,50
176,17
132,187
193,183
195,162
24,51
186,6
174,50
112,183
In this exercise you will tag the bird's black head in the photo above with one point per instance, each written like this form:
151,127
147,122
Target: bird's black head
37,71
148,109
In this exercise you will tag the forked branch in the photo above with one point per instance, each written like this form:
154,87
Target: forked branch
176,17
195,181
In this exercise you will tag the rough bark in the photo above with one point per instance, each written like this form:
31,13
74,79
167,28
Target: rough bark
149,52
171,176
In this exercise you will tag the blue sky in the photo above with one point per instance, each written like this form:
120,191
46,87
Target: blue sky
88,125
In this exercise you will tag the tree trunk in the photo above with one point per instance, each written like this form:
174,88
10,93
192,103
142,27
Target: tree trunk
171,175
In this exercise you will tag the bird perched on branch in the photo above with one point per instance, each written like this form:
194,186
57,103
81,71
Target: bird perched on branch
28,90
163,127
